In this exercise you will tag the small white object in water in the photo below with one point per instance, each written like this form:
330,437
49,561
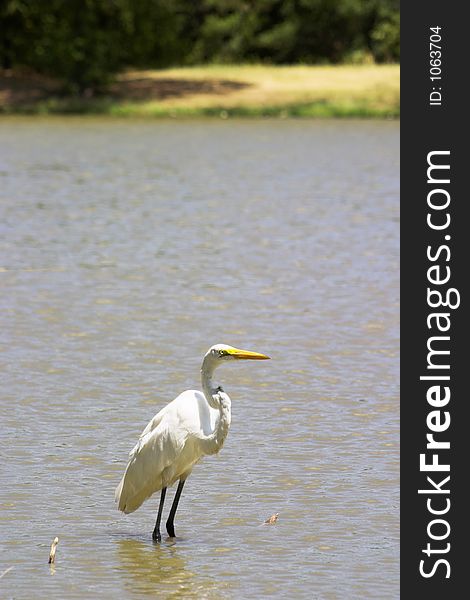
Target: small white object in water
53,550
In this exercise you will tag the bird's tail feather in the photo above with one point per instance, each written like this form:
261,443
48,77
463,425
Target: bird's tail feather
128,497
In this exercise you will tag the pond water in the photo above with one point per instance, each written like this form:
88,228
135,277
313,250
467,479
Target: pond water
127,248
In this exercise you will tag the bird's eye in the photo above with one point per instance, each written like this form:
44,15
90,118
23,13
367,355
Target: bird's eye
221,352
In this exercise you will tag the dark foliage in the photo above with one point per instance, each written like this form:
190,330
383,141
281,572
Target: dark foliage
84,43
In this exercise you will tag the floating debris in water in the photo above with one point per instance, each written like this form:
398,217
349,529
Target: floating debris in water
53,551
6,571
272,519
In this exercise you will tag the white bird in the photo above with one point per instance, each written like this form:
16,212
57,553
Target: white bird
192,425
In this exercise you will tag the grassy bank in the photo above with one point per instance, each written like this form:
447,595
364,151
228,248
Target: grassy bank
221,91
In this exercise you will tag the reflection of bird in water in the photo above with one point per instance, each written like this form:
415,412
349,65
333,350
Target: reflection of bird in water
151,569
193,425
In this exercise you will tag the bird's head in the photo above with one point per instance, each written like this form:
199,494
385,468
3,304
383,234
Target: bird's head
220,353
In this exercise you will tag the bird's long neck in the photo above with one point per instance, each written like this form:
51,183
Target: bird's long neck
220,401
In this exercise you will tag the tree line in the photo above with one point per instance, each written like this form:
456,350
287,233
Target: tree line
84,43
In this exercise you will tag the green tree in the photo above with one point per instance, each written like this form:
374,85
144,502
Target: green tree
85,42
289,31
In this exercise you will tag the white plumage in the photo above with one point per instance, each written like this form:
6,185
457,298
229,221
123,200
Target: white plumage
193,425
167,449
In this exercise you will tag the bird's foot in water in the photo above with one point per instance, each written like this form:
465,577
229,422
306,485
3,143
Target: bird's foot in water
171,530
156,536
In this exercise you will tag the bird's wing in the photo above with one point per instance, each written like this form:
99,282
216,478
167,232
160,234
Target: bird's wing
155,422
160,457
171,412
151,465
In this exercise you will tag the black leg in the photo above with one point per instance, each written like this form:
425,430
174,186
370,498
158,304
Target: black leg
171,517
156,532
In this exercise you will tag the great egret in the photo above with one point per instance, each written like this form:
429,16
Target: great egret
194,424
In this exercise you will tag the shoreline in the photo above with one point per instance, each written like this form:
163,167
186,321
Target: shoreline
249,91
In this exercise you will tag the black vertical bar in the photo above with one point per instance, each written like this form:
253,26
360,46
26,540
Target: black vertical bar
434,118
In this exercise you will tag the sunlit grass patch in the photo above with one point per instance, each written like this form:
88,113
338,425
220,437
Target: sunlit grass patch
230,91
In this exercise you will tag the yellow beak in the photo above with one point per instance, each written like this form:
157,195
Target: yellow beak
246,354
